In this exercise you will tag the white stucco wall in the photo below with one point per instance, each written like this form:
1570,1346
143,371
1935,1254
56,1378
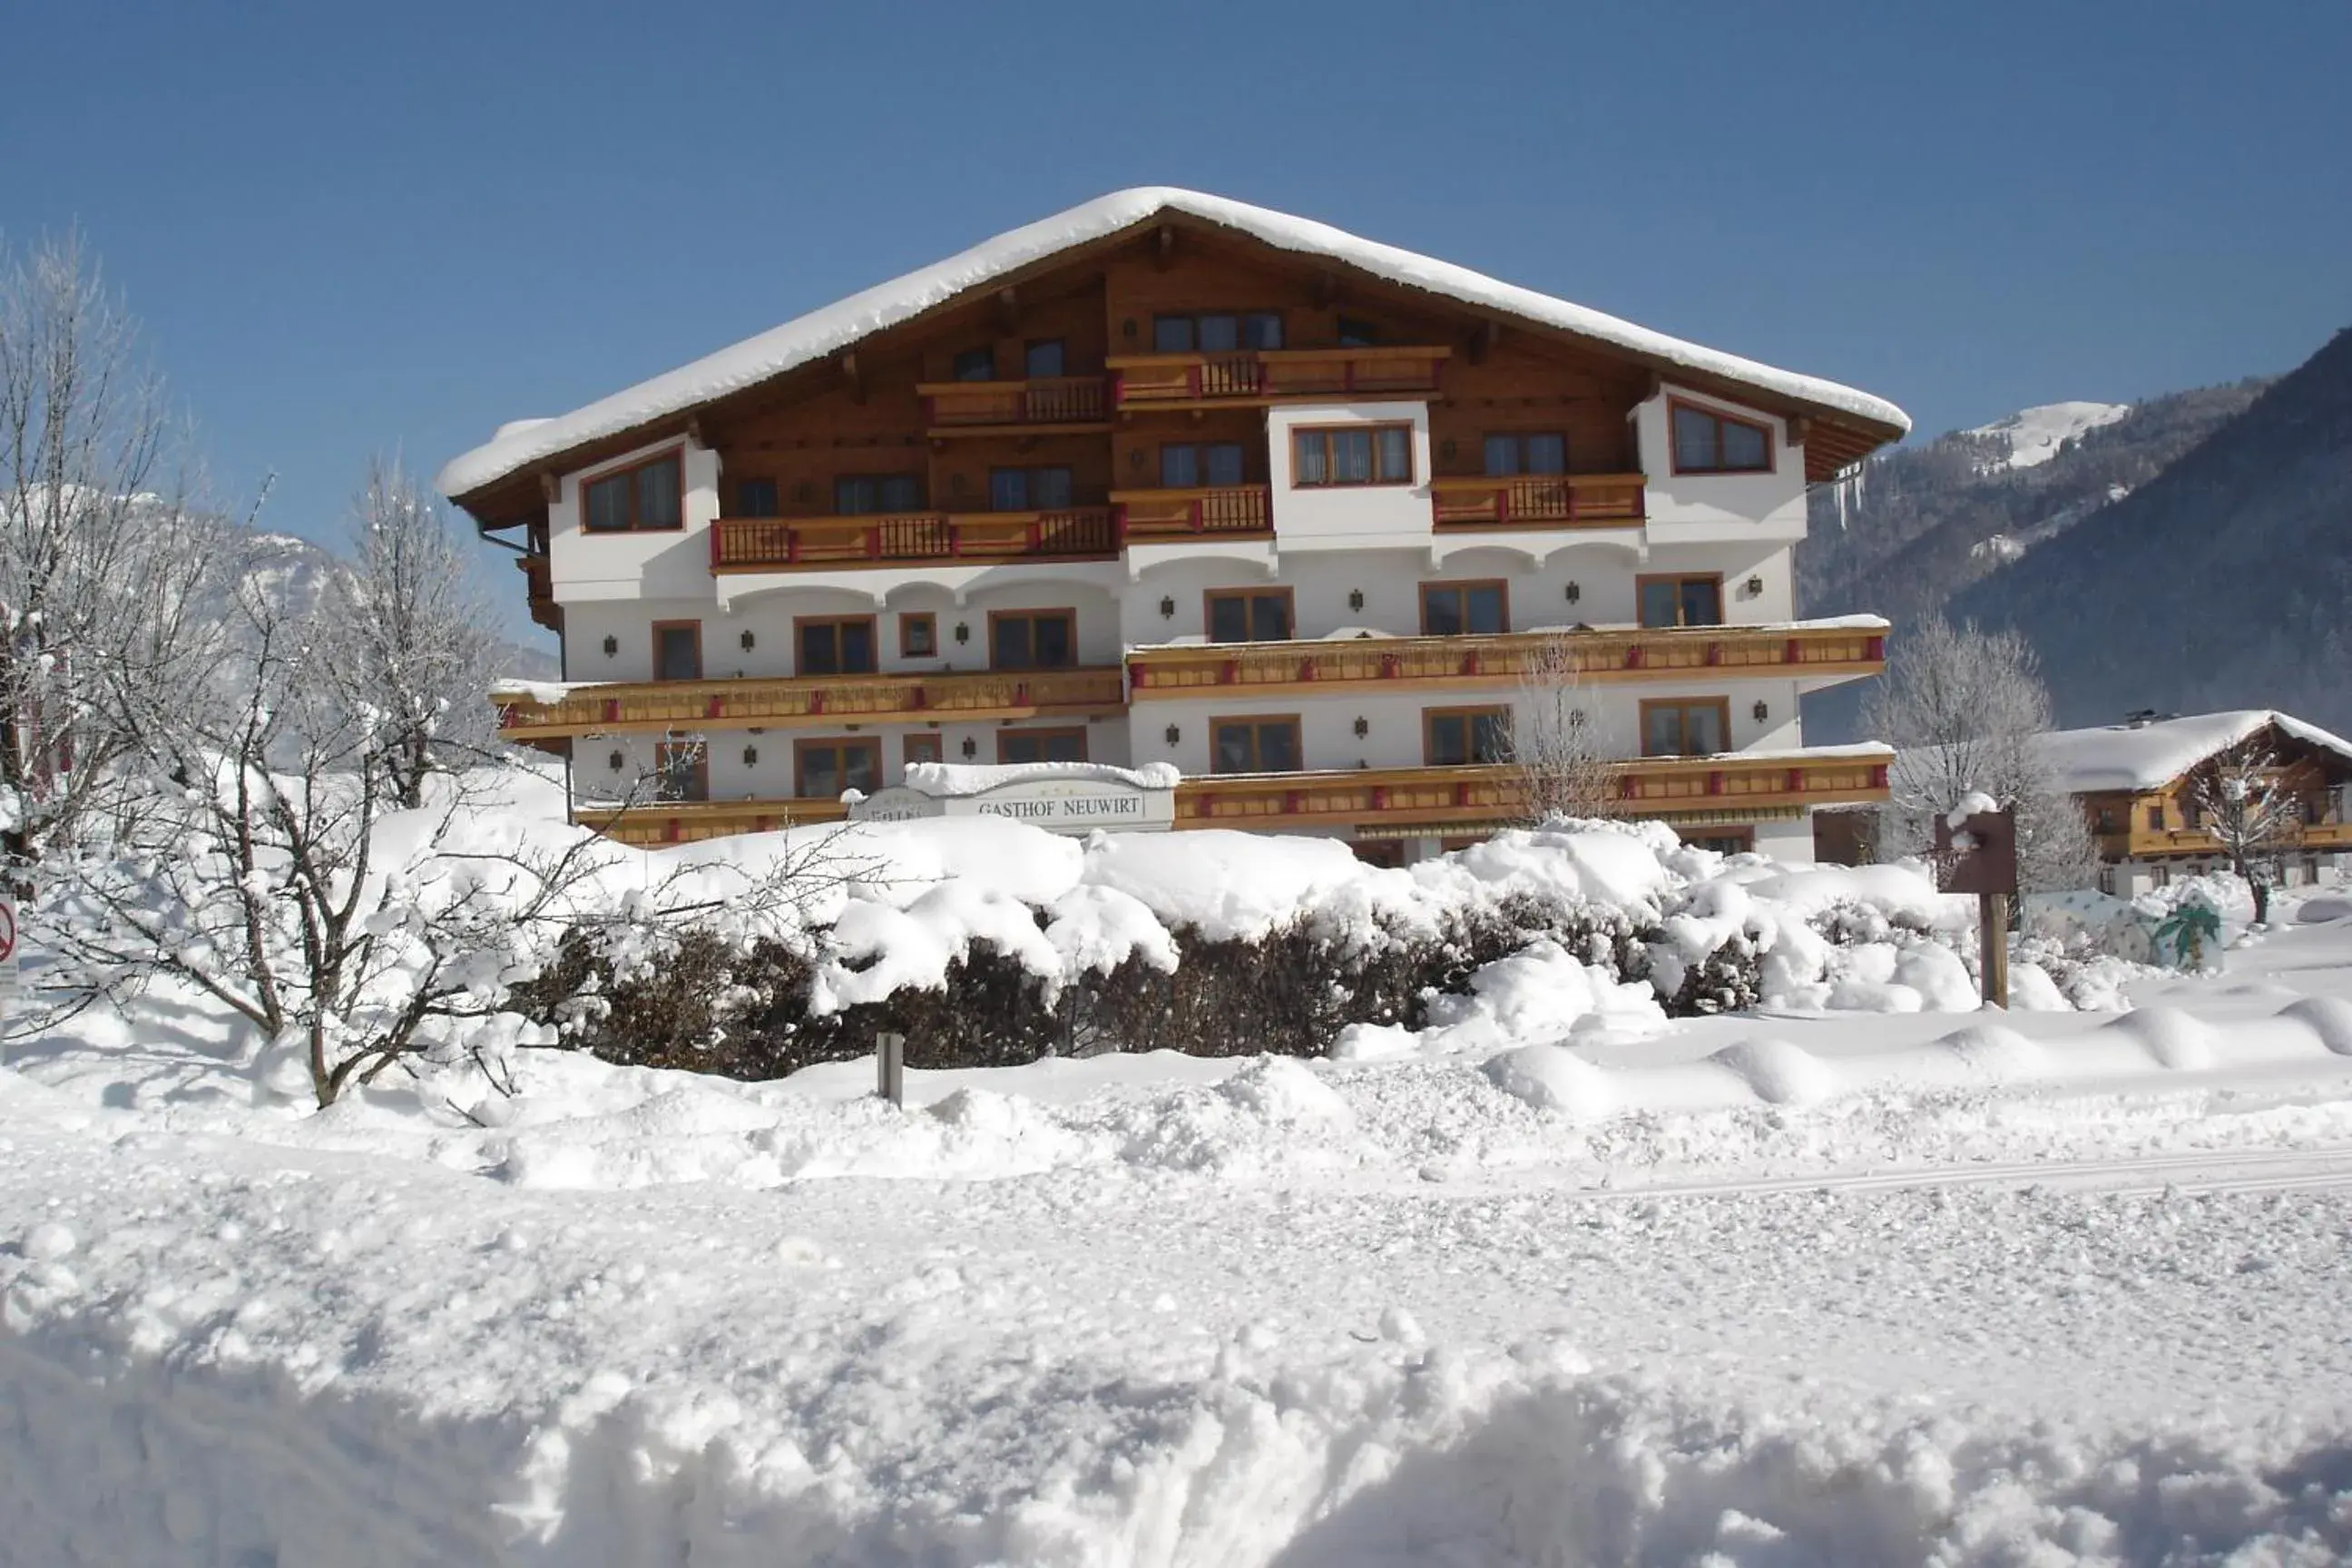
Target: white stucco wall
1702,509
674,565
1343,517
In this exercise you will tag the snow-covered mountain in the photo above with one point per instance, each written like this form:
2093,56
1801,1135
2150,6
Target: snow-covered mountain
2036,434
294,571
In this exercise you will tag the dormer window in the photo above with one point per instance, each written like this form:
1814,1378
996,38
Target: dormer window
647,498
1706,442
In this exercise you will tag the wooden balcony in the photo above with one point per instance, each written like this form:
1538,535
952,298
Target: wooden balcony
1069,405
540,588
657,823
1308,666
1237,512
2158,843
807,701
1693,789
1537,500
796,544
1271,375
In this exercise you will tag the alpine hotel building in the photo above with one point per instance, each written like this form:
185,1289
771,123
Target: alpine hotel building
1170,478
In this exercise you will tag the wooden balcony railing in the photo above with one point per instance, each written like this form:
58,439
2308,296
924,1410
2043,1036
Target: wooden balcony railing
539,587
1267,375
1082,401
1440,797
657,823
1150,516
783,544
806,702
1537,500
1277,669
2310,837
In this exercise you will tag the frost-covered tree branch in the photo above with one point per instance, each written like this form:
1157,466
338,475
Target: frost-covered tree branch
2240,801
1556,745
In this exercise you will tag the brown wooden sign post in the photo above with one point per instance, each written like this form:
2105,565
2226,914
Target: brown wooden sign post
1979,856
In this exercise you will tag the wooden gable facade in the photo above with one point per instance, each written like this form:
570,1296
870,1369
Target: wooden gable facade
2164,823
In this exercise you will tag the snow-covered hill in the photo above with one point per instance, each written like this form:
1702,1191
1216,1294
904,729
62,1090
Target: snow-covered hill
2034,436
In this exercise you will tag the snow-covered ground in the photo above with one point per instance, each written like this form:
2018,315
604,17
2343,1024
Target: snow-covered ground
1558,1282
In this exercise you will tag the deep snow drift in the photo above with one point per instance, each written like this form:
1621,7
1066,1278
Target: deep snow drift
1858,1277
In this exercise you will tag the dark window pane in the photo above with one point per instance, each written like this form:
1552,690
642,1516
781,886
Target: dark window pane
1502,455
1269,617
1449,740
1744,445
854,496
1313,463
1702,730
1224,464
1220,334
900,492
1171,334
1357,334
921,636
1546,454
1277,749
819,651
1441,612
1490,737
1050,643
1661,732
680,772
755,498
820,773
976,365
856,645
859,766
1702,602
1229,620
1695,446
1231,750
1351,457
1180,468
1008,490
1658,603
608,504
678,654
1395,454
1045,358
657,497
1049,489
1263,330
1011,643
1484,612
1066,748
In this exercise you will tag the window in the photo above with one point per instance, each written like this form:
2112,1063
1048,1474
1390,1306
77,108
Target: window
922,748
2107,820
976,365
1457,609
681,771
2156,819
1041,745
1723,840
835,645
1537,452
646,498
1190,464
677,651
756,498
1453,736
1706,442
1355,332
822,769
1352,454
1043,359
1686,727
918,635
862,495
1249,615
1254,745
1033,639
1680,600
1216,333
1028,489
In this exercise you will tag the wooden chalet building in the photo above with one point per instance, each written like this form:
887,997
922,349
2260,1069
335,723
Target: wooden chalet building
2137,783
1167,478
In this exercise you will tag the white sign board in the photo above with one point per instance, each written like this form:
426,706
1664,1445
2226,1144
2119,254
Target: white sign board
1056,804
11,982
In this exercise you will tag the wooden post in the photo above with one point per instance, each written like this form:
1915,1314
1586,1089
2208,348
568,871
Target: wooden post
890,1068
1992,947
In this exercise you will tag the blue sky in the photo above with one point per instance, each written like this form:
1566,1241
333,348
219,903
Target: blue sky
350,228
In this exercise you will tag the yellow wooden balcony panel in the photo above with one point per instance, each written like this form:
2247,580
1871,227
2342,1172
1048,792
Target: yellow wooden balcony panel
1537,500
786,544
1075,402
659,707
1168,516
1270,376
1308,665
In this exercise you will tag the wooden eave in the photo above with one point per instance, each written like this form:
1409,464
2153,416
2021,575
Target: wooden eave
1834,438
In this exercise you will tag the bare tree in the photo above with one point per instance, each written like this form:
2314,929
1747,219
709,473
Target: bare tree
2241,801
110,574
1966,711
409,634
1557,741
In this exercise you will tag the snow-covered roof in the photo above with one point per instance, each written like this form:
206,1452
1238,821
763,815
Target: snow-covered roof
520,444
2151,755
945,779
